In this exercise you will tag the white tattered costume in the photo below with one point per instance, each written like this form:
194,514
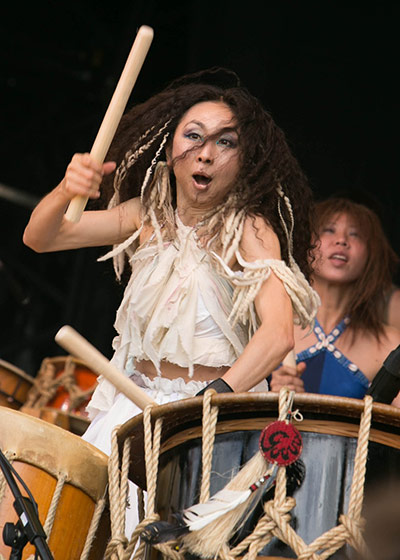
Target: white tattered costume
183,304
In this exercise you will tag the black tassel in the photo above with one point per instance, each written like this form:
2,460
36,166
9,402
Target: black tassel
295,474
163,531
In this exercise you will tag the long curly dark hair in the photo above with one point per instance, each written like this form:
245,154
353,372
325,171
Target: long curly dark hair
266,161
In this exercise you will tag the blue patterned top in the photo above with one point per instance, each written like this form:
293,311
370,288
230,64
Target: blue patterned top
328,371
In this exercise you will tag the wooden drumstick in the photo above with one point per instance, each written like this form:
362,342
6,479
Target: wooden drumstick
77,345
115,110
290,359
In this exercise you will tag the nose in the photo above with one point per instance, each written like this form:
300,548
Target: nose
341,240
205,153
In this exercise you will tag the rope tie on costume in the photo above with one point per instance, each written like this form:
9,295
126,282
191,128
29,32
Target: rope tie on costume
154,162
288,232
130,158
247,283
304,299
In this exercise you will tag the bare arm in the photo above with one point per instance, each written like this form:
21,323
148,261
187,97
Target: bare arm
274,337
48,229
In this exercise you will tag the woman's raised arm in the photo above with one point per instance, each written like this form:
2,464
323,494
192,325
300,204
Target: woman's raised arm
49,230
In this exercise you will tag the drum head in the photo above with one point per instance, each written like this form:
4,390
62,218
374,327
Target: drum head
37,442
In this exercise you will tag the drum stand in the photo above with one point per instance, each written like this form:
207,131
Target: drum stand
28,527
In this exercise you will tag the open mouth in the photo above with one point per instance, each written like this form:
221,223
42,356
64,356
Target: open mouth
339,257
202,180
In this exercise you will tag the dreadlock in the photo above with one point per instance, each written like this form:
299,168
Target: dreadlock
268,169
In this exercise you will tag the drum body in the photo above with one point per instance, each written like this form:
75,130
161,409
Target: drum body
62,389
63,473
83,377
330,435
15,385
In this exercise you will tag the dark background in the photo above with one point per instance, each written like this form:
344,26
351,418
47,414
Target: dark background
327,71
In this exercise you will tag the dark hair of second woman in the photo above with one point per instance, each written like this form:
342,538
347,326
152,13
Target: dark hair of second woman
366,304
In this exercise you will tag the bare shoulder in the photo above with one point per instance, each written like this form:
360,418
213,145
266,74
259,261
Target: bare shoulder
394,309
392,337
259,240
377,351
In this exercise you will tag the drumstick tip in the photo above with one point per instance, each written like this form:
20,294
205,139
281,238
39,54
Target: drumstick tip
63,332
146,31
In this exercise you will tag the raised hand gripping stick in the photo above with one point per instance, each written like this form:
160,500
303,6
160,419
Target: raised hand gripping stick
115,110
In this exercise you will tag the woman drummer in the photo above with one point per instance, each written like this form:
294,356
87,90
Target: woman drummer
352,272
204,202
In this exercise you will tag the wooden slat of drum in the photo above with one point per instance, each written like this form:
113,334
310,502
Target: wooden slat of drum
252,424
48,414
15,385
73,515
72,422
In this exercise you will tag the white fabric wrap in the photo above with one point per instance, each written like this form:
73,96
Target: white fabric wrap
157,317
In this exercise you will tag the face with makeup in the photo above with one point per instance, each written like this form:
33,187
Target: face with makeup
341,254
205,155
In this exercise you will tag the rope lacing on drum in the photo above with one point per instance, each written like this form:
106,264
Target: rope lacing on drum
118,546
275,521
51,514
210,415
62,478
46,385
276,518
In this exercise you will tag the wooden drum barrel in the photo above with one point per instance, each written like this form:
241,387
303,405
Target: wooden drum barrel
67,478
15,385
61,391
330,432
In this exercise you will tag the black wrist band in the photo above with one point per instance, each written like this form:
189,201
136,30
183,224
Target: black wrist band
219,385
